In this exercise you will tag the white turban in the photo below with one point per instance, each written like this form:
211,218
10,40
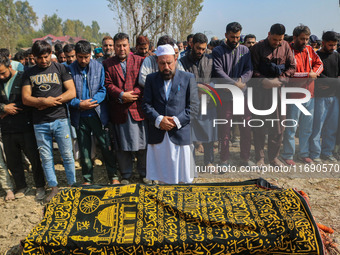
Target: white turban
166,49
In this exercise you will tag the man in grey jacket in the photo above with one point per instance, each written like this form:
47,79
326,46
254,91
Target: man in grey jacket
200,64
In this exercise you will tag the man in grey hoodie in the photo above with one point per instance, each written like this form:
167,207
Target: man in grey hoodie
232,65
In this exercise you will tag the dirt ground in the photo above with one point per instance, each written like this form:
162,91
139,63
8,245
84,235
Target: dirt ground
17,218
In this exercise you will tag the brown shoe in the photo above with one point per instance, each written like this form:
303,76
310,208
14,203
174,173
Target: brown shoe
114,182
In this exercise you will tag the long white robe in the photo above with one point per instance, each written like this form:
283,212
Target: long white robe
168,162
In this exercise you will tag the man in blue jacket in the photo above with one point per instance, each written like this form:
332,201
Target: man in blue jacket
170,99
89,112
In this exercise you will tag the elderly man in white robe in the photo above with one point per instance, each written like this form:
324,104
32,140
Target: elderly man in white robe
170,100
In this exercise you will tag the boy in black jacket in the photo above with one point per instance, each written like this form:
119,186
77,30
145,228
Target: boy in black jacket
17,131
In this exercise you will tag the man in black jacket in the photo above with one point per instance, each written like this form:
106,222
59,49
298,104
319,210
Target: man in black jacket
17,131
199,63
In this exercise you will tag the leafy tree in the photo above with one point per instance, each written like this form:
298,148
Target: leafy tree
79,28
8,23
96,36
73,28
69,27
16,19
88,34
76,28
52,25
25,40
26,17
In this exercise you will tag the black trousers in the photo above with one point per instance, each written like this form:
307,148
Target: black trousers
14,144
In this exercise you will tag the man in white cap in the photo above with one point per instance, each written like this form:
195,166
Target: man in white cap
150,63
170,100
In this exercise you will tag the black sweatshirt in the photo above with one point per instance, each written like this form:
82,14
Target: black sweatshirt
331,71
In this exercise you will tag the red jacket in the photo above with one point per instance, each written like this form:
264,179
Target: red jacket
115,83
306,61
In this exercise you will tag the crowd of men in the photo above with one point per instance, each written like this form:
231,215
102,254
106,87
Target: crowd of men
142,105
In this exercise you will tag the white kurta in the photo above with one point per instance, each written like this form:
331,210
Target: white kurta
170,163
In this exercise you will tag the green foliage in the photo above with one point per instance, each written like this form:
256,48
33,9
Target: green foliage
76,28
18,17
52,25
26,17
25,40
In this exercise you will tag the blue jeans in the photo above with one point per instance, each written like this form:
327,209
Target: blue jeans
44,133
325,125
305,123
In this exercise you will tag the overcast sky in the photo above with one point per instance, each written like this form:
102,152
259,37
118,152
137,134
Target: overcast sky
256,16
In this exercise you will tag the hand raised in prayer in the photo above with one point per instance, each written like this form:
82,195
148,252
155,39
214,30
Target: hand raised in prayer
240,84
271,83
11,109
50,102
323,87
167,123
313,75
129,97
2,116
87,104
202,86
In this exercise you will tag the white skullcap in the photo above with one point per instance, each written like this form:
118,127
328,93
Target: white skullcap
53,56
175,46
166,49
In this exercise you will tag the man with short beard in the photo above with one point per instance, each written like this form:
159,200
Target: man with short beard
199,63
108,48
326,109
61,57
188,48
16,65
17,131
249,40
126,114
89,112
30,59
170,99
47,87
308,68
232,65
180,46
142,47
150,63
70,54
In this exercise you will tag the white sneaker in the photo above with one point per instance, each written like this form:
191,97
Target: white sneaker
125,181
21,193
146,181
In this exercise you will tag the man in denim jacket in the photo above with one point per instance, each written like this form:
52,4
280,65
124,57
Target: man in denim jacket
89,112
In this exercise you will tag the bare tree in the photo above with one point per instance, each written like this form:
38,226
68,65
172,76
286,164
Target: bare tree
155,17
